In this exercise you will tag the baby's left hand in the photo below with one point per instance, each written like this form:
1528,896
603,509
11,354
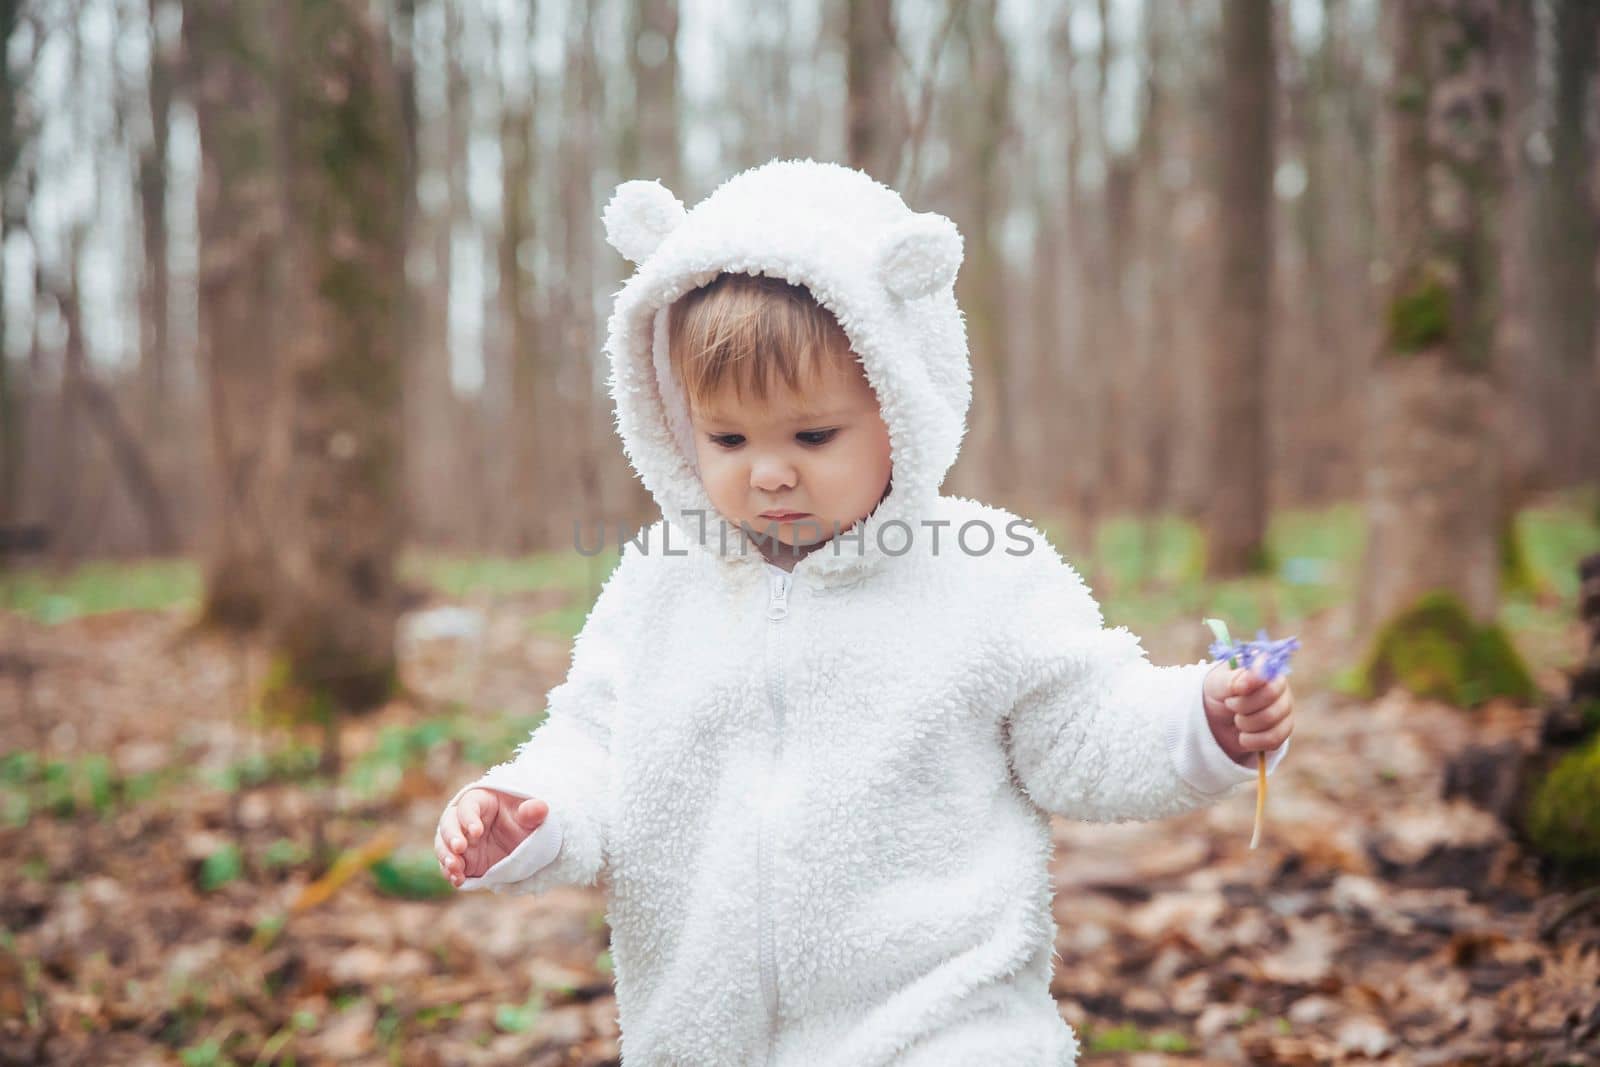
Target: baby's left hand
1247,713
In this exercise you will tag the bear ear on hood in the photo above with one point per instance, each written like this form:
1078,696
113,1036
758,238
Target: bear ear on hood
639,217
919,256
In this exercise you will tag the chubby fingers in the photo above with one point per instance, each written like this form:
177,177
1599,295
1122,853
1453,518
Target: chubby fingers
450,829
451,864
1268,727
474,810
531,813
1251,693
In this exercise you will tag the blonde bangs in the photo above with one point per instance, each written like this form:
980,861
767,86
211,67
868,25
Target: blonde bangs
751,331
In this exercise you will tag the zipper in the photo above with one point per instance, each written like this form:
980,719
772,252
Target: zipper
778,602
777,610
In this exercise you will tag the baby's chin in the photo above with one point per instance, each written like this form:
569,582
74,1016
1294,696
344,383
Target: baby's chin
801,534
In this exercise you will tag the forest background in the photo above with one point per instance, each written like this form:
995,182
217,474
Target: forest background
1279,312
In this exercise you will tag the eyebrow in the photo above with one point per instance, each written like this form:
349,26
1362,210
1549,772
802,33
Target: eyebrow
799,416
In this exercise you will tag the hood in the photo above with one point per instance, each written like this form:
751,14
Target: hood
886,273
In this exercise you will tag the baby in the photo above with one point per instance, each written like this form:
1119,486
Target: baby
820,714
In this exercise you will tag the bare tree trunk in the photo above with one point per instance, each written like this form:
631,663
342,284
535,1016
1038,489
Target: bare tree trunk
577,344
127,455
1567,237
1056,313
429,391
1520,372
155,355
13,216
1157,412
870,73
1432,487
1311,398
1349,95
528,487
984,133
337,456
229,62
1085,371
412,341
1237,519
648,149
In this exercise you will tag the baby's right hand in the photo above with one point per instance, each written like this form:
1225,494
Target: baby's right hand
483,828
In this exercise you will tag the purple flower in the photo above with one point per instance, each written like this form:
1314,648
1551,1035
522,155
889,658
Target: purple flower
1264,656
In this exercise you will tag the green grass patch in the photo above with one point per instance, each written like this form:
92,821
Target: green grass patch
1147,572
564,623
519,1018
411,874
1553,538
31,784
484,739
221,867
293,761
50,596
1126,1037
571,573
467,576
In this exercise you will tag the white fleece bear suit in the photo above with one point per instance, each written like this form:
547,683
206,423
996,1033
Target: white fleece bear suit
821,800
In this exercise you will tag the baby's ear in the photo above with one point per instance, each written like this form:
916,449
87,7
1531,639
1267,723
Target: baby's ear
639,217
920,256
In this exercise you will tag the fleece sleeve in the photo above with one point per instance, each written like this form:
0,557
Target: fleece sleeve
1095,731
566,762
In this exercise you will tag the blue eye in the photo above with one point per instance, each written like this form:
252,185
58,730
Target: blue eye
727,440
816,437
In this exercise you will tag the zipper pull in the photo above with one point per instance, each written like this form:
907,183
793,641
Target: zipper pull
778,603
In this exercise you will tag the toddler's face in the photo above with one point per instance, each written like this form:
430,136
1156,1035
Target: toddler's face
821,455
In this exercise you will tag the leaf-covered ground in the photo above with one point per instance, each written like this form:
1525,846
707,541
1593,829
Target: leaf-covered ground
160,902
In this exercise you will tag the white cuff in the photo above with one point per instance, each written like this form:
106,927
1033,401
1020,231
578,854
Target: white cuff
534,853
1199,759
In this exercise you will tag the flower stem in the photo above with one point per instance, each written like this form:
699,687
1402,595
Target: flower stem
1219,629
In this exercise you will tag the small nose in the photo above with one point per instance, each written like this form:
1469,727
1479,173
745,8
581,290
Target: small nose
770,474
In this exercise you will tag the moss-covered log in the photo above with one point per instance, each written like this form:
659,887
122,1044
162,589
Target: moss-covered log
1435,649
1563,818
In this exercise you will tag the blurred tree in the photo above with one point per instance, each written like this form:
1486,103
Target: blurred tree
650,139
586,410
1154,417
1056,317
982,125
870,76
228,69
530,383
414,350
14,134
1116,254
1236,519
435,489
337,447
1566,237
651,147
1521,376
155,348
1432,481
82,394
